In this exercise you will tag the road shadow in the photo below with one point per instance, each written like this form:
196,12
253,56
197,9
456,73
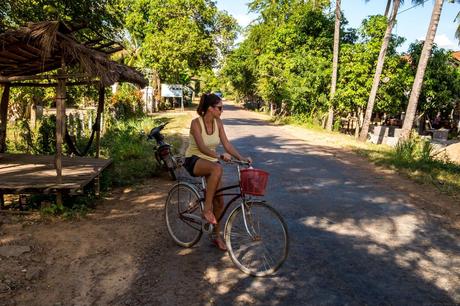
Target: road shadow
355,239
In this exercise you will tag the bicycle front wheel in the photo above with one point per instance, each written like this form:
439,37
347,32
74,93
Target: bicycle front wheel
183,215
260,246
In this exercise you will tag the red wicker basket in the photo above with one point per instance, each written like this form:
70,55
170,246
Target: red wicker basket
253,181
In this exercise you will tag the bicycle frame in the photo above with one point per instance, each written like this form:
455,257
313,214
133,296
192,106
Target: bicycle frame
219,193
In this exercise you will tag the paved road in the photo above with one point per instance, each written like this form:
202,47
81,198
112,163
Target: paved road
353,240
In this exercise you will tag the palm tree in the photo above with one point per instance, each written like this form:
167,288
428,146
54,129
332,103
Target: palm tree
423,62
378,71
387,9
457,33
130,55
335,61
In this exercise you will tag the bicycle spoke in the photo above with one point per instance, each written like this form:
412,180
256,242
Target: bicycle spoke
264,252
185,230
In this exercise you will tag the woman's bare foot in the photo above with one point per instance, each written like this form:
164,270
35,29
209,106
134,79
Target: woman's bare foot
209,216
220,244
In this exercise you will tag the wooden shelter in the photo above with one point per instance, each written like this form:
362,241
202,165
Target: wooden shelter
56,54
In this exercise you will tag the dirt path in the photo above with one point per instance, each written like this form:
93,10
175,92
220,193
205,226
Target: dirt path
85,262
120,254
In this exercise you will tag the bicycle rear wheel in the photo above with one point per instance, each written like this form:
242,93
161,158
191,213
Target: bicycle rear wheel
262,251
183,215
171,166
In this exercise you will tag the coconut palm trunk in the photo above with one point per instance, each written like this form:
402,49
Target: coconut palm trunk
423,62
387,9
457,32
378,72
335,63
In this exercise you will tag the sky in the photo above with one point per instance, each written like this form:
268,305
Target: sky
412,21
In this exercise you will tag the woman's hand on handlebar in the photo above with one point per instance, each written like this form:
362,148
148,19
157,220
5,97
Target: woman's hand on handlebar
226,157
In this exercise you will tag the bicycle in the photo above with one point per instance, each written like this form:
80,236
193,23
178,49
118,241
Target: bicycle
255,233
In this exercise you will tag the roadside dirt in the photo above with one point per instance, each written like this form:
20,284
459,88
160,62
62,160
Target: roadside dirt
82,262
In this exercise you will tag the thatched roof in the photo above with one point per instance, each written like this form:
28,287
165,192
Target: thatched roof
41,47
456,55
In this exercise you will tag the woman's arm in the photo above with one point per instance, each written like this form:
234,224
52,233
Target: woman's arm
195,129
226,144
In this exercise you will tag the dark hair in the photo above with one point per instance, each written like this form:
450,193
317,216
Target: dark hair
206,101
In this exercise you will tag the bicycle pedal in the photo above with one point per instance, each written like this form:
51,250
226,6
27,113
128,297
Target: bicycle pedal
207,228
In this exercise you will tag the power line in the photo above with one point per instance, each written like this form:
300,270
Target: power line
413,7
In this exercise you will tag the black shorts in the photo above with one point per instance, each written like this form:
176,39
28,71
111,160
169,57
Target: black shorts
189,164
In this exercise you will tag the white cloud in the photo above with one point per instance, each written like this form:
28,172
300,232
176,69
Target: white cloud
244,19
444,42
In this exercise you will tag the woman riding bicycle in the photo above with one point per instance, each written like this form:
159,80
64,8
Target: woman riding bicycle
201,159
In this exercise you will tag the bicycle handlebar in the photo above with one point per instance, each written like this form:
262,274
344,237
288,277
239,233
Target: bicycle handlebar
236,161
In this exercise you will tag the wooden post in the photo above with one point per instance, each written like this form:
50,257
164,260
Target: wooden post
100,110
4,116
97,186
60,126
2,201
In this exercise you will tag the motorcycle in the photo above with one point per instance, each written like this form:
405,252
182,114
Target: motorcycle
162,151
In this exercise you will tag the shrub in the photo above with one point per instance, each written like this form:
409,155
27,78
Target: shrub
405,150
126,103
132,155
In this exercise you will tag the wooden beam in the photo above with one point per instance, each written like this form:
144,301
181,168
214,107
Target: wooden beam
4,116
7,61
113,50
4,79
92,42
33,70
105,45
13,56
93,82
27,53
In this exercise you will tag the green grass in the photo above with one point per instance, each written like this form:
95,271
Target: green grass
130,151
416,160
299,120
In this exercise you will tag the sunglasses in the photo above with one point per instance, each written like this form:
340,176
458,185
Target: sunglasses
219,108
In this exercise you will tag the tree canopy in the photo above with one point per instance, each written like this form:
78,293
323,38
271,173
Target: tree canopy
104,16
286,60
179,38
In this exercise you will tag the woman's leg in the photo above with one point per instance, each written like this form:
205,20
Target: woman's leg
218,209
213,172
218,203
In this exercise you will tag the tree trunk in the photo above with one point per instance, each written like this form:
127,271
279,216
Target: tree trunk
423,62
100,111
387,9
4,116
359,115
157,91
335,61
378,72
